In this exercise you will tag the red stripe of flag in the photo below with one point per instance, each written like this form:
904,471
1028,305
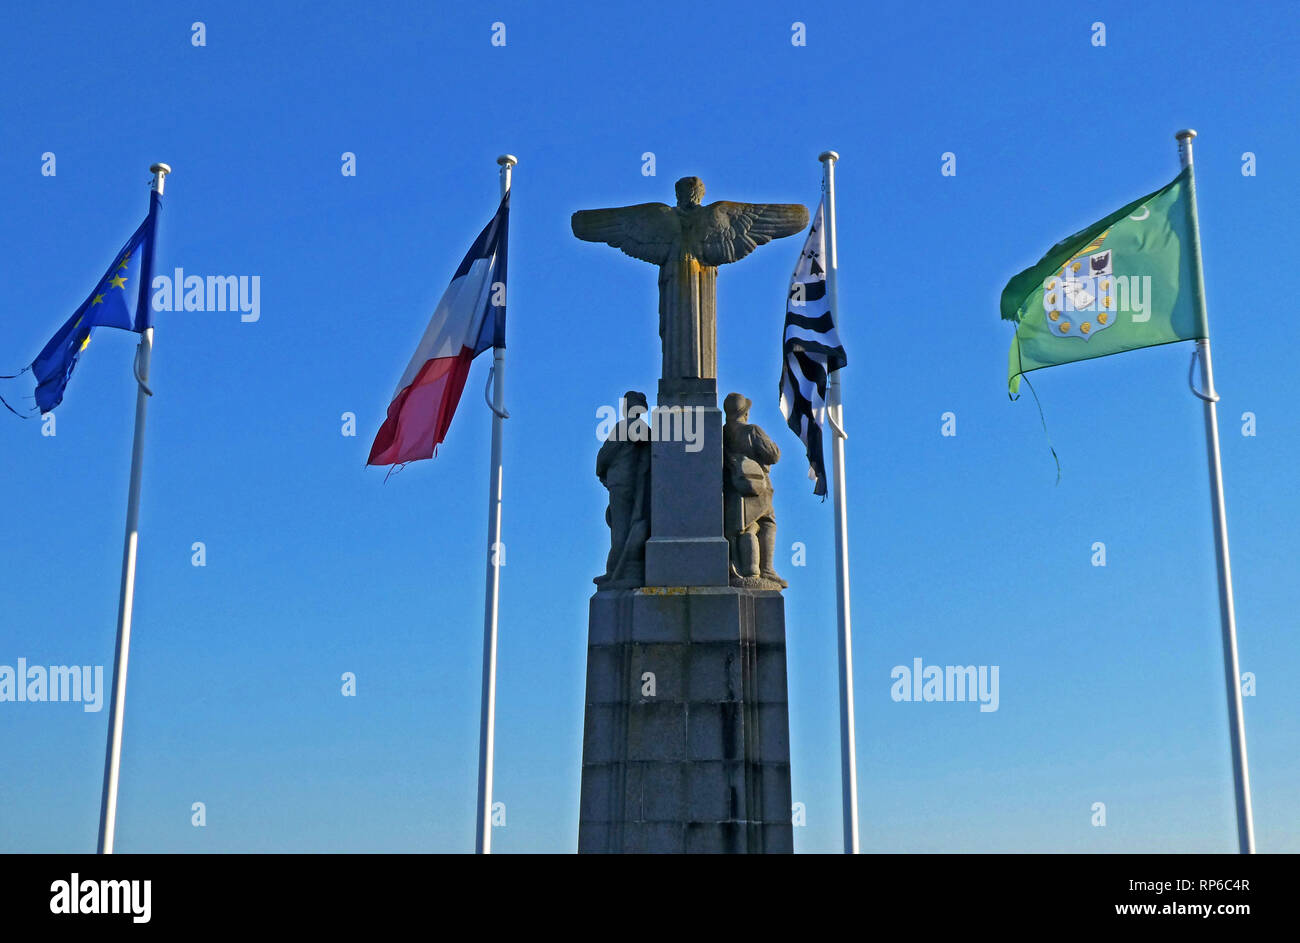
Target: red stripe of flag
420,414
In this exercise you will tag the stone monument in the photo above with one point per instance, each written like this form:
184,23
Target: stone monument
686,738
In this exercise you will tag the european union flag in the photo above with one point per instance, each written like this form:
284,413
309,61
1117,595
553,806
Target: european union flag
121,300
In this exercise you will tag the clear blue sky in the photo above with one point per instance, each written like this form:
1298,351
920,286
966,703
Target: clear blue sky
964,550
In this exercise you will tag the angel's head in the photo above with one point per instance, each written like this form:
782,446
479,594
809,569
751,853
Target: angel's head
690,191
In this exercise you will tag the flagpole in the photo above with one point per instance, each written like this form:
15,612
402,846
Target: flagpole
487,718
835,406
126,597
1227,613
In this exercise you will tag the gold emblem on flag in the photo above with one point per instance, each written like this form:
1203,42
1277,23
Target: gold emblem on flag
1085,284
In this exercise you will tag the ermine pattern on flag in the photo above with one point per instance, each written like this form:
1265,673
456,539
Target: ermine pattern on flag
810,350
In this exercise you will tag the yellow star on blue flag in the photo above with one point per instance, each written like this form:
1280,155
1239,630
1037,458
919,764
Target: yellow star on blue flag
120,300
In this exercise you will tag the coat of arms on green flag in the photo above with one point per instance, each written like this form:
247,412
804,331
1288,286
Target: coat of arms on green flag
1125,282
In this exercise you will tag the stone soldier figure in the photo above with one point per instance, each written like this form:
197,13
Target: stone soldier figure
623,466
748,518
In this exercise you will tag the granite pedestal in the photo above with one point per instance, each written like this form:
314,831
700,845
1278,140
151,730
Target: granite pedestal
686,744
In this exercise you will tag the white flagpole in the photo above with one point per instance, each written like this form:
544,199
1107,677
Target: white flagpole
126,598
1227,614
835,408
487,718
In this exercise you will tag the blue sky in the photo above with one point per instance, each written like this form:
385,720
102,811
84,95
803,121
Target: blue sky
963,548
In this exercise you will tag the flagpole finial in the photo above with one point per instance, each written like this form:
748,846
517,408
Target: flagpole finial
506,161
1185,135
828,155
160,172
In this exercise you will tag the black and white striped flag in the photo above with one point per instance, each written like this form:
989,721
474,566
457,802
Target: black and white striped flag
810,350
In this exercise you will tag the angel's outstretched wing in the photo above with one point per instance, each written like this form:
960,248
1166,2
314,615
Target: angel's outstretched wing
645,231
730,231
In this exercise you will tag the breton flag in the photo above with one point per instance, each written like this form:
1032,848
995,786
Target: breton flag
470,318
810,349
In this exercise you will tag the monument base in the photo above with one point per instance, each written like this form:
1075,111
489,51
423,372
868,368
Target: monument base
686,744
674,562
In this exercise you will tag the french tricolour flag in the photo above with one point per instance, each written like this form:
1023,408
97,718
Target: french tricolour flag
470,318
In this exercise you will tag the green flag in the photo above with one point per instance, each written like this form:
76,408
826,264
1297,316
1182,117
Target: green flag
1126,282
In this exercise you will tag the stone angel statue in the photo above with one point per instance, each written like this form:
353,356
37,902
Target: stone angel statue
688,242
